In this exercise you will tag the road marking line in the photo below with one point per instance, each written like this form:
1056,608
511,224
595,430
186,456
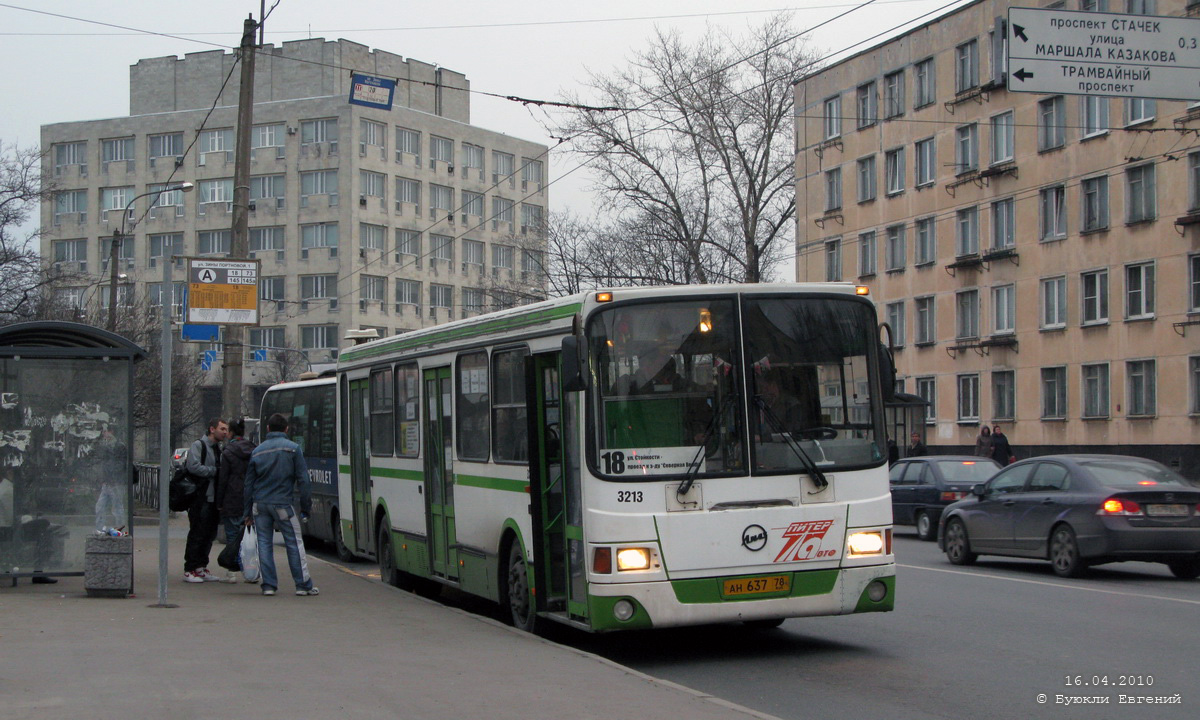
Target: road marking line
1050,584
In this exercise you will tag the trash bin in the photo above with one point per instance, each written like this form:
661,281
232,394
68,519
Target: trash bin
108,566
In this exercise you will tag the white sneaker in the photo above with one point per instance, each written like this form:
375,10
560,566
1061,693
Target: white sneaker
207,576
192,577
230,577
268,592
311,591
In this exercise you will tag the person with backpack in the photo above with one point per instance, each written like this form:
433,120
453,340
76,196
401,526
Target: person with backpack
231,475
203,459
277,471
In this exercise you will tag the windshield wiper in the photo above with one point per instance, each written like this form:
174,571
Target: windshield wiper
694,468
818,477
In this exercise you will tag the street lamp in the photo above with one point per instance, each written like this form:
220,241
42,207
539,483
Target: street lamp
118,235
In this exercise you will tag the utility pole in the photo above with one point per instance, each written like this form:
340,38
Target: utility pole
113,253
239,249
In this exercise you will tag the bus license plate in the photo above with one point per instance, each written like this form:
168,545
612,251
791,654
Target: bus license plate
757,585
1172,510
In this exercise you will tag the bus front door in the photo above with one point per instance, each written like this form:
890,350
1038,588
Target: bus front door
360,466
439,473
556,510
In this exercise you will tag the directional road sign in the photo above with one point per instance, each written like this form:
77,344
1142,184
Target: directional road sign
222,291
1088,53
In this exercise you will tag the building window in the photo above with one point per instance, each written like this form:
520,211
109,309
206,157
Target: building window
966,148
1094,290
441,200
503,165
266,337
1139,110
1141,7
1194,283
408,292
1004,394
70,251
271,288
319,337
866,257
926,162
441,248
868,111
319,182
1003,138
1093,5
473,157
923,79
926,330
1194,181
372,288
1194,385
895,317
531,173
266,238
114,199
216,191
472,203
502,257
927,391
271,188
165,145
833,189
74,153
966,66
318,287
69,202
967,231
116,150
967,320
1004,310
1095,115
1095,390
441,149
372,133
267,136
1004,221
408,192
502,211
373,184
473,253
866,178
318,131
441,296
893,94
895,251
926,250
214,242
1142,387
833,260
893,167
1140,195
319,235
408,244
1054,303
168,244
1095,203
1139,291
833,117
968,398
372,237
1051,123
1054,393
1053,212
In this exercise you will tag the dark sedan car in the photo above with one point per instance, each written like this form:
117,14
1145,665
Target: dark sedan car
1079,510
923,486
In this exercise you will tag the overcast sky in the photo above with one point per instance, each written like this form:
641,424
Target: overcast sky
56,69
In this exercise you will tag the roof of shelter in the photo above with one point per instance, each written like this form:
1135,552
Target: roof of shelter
55,334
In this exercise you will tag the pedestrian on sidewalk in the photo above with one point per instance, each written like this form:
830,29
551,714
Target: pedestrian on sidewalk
983,443
276,471
916,448
230,479
1002,451
203,459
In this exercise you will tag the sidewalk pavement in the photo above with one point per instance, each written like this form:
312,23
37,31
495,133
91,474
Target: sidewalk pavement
359,649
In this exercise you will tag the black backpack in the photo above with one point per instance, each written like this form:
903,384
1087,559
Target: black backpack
183,488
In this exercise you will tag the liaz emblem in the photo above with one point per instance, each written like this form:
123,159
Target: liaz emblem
803,541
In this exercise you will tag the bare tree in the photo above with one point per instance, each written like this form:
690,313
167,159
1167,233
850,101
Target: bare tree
22,274
700,163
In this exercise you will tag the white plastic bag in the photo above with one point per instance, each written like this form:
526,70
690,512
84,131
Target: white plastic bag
249,555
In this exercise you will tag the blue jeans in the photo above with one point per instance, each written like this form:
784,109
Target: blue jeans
267,519
233,531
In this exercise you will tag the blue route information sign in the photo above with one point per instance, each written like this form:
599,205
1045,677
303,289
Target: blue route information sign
371,91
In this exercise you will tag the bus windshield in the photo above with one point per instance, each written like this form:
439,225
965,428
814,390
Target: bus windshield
677,394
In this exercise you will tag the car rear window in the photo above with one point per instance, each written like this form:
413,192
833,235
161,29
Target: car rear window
1122,473
967,471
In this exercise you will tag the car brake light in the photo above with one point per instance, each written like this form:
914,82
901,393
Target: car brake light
952,496
1117,506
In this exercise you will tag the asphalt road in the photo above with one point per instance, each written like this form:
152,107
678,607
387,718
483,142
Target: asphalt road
974,642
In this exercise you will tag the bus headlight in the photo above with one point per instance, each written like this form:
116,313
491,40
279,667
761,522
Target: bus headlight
633,559
865,543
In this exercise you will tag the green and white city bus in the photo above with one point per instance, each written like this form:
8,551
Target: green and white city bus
629,458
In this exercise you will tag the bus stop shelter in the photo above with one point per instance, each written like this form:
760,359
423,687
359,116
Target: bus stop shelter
66,401
905,414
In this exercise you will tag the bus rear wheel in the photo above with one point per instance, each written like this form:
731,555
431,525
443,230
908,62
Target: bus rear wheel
387,560
517,602
339,542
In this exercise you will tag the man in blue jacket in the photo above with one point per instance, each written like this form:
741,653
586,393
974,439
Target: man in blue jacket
276,470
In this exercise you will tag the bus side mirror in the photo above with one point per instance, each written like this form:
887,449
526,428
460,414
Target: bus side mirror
887,373
572,364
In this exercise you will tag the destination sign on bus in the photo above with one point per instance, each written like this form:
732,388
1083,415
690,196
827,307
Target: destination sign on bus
650,461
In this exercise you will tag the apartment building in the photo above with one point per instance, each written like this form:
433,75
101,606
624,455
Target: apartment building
361,217
1037,257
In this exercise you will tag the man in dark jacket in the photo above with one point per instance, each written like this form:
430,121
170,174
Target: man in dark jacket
202,461
276,470
1002,451
230,478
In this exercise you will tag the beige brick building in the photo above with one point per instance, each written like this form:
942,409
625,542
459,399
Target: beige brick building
1037,256
361,218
